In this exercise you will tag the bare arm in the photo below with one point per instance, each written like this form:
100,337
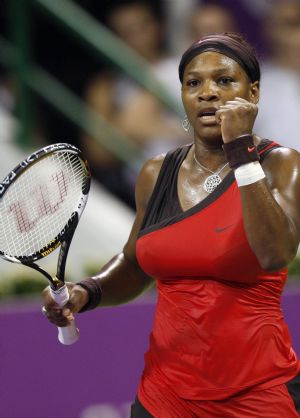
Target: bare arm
270,206
271,210
121,278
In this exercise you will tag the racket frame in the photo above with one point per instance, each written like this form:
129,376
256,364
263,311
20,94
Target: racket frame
64,238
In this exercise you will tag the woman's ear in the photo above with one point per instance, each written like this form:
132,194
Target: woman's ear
254,92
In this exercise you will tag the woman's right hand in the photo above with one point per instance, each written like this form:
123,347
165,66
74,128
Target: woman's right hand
62,316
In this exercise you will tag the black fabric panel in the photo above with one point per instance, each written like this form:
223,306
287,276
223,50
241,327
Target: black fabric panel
226,183
293,387
164,208
163,202
138,411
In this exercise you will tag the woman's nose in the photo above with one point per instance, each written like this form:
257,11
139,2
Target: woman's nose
208,91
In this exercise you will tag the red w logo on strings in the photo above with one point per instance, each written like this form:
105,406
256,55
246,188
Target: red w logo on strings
40,202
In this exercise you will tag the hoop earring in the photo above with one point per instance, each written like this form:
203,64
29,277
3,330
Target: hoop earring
186,124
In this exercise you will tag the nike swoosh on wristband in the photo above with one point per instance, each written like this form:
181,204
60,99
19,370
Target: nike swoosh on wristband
251,149
223,228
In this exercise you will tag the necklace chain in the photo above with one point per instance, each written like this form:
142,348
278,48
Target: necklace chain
207,169
212,181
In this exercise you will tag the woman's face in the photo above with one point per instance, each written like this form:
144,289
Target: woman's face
209,81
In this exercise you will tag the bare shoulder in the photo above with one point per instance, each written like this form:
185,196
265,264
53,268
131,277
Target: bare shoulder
282,155
143,191
147,179
282,165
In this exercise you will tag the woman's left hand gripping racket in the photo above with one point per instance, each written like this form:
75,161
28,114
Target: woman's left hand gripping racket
41,201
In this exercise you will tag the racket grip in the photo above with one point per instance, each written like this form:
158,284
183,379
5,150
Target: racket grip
70,334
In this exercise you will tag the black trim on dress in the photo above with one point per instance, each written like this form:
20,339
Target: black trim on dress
293,387
164,207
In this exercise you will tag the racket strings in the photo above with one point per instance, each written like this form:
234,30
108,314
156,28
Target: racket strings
37,206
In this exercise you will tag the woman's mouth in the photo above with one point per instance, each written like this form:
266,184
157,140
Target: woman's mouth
208,116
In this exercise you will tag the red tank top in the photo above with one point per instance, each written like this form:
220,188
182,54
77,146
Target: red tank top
218,326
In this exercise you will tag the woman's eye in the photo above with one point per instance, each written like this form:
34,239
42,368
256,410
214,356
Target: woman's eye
192,83
225,80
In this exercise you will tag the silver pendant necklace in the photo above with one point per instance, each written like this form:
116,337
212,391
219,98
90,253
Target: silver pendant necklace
212,181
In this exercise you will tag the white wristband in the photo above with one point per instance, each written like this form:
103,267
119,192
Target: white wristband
249,173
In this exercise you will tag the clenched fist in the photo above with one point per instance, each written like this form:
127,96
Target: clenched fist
236,118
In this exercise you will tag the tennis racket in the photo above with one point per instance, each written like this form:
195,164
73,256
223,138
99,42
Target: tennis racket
41,201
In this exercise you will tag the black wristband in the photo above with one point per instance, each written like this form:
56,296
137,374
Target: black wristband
240,151
94,292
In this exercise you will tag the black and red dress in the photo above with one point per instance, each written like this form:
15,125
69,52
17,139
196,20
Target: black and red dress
218,330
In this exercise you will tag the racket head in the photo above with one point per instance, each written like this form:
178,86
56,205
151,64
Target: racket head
41,201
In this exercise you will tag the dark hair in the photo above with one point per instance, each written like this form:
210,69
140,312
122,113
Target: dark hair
231,44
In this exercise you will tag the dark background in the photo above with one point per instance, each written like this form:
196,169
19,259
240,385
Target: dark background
54,49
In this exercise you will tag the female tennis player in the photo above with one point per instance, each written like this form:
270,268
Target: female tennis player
217,223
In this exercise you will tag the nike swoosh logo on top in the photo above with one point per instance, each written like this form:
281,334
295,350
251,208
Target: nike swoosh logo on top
250,149
222,229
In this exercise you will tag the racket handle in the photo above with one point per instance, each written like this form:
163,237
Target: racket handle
66,335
